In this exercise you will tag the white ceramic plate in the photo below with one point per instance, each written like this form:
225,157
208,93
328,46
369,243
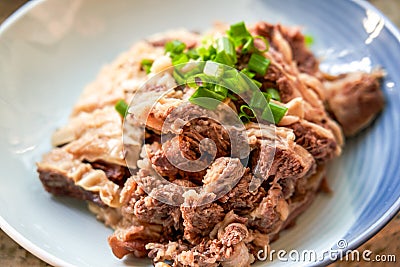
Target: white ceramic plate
50,49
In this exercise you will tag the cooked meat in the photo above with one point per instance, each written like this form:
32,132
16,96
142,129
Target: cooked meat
199,221
291,43
317,140
355,99
59,184
193,186
115,173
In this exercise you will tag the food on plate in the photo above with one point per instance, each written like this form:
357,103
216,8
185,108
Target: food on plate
227,190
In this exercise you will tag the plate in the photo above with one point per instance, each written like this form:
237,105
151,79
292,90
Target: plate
51,49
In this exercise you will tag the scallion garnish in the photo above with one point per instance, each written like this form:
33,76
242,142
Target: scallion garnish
146,65
259,64
224,45
248,73
247,110
309,40
206,98
238,33
274,94
175,47
276,111
121,107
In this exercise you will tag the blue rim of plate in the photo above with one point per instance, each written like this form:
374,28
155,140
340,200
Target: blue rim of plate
354,244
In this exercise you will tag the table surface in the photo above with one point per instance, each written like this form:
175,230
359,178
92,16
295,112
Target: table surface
387,241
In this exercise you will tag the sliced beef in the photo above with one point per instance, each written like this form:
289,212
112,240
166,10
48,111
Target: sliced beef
59,184
355,99
318,141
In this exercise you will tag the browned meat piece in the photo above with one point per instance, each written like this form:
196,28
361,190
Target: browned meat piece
289,160
271,212
317,140
291,43
115,173
199,221
148,209
163,166
240,199
355,99
132,236
197,130
60,185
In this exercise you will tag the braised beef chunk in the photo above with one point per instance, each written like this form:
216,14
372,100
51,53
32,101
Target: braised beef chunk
355,99
115,173
60,185
186,185
316,140
199,221
299,52
199,129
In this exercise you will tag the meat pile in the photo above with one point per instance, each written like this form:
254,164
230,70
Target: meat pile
89,161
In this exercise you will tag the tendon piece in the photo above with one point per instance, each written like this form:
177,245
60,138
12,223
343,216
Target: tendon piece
355,99
79,177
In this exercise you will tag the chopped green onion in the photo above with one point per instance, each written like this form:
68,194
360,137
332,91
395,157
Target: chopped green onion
225,45
276,111
192,53
257,83
258,63
121,107
274,94
238,32
248,45
246,109
223,58
146,65
248,73
178,77
233,97
175,47
213,69
244,117
206,98
309,40
223,91
265,43
259,100
179,59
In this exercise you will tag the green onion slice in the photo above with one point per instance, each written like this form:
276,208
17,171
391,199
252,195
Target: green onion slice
122,107
276,111
259,64
206,98
274,94
175,47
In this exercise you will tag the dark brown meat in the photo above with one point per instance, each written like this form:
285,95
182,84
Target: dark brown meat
240,199
199,129
199,221
271,212
318,141
60,185
306,61
355,99
116,173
